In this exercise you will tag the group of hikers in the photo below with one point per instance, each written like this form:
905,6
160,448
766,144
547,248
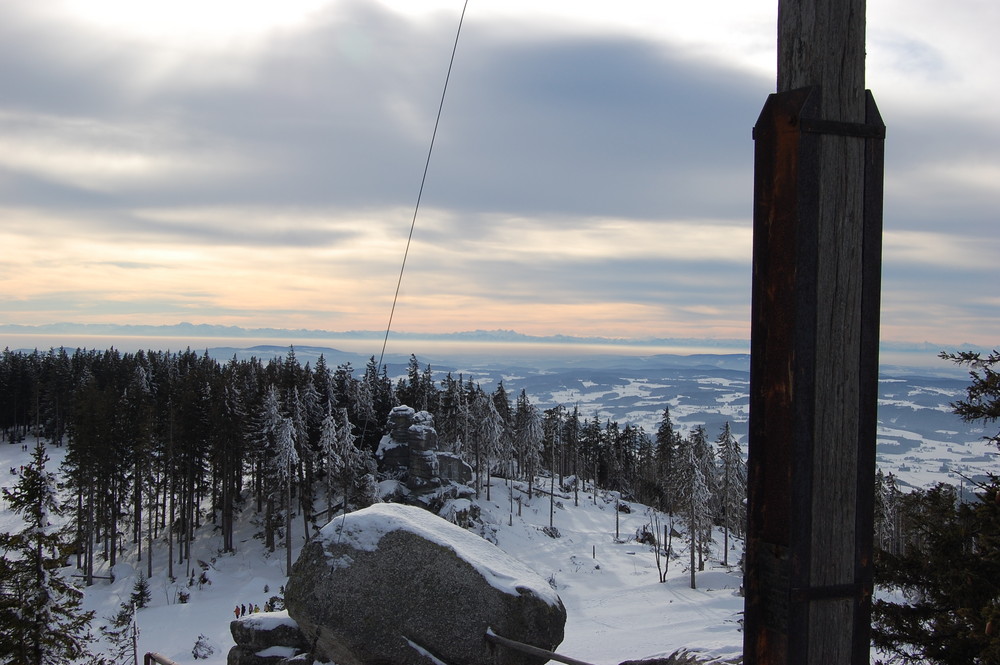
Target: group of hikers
252,608
243,610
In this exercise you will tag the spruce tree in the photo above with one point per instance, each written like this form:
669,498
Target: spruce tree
705,458
488,435
328,451
887,525
122,633
449,417
269,424
140,592
693,495
667,442
732,488
345,462
944,555
42,621
285,460
528,437
982,400
946,608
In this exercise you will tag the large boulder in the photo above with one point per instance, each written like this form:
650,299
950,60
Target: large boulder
395,584
265,638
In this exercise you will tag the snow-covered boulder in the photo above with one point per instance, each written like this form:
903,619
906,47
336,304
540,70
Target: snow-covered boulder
265,637
397,584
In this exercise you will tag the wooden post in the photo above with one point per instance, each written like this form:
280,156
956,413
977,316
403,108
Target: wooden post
814,345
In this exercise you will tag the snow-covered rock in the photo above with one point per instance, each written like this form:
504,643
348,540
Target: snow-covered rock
265,637
392,583
410,451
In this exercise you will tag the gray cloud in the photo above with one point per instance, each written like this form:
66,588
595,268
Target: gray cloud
300,139
342,114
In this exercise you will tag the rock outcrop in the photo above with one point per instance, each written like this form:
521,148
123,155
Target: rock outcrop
267,638
410,450
397,584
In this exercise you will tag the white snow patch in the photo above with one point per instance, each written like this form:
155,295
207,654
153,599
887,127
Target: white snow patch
385,444
571,395
277,652
727,398
720,381
269,620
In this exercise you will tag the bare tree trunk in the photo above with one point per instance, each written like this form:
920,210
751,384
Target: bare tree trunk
668,539
552,489
137,507
694,540
576,477
302,505
89,540
113,531
269,523
288,519
170,530
149,545
80,557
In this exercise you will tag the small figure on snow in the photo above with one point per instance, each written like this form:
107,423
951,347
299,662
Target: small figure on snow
237,611
243,610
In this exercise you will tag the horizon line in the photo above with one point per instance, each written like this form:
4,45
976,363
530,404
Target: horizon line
185,328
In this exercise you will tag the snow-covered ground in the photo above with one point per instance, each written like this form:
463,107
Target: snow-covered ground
617,608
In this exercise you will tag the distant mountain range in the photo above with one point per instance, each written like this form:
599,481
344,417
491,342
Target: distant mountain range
185,329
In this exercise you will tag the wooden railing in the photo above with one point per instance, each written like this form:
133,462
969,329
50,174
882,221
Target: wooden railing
528,649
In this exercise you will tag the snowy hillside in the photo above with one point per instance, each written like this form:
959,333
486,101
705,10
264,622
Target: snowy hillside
617,609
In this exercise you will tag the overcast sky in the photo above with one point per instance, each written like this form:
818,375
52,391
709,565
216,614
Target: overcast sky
256,163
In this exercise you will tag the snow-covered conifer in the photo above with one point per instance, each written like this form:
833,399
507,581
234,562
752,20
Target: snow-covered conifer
42,621
202,649
346,463
140,592
667,442
732,488
528,437
487,433
887,499
693,495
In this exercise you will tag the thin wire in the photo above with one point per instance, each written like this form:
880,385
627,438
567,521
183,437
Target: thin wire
423,180
413,223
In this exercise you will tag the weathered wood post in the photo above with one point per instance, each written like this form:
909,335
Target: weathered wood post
814,345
